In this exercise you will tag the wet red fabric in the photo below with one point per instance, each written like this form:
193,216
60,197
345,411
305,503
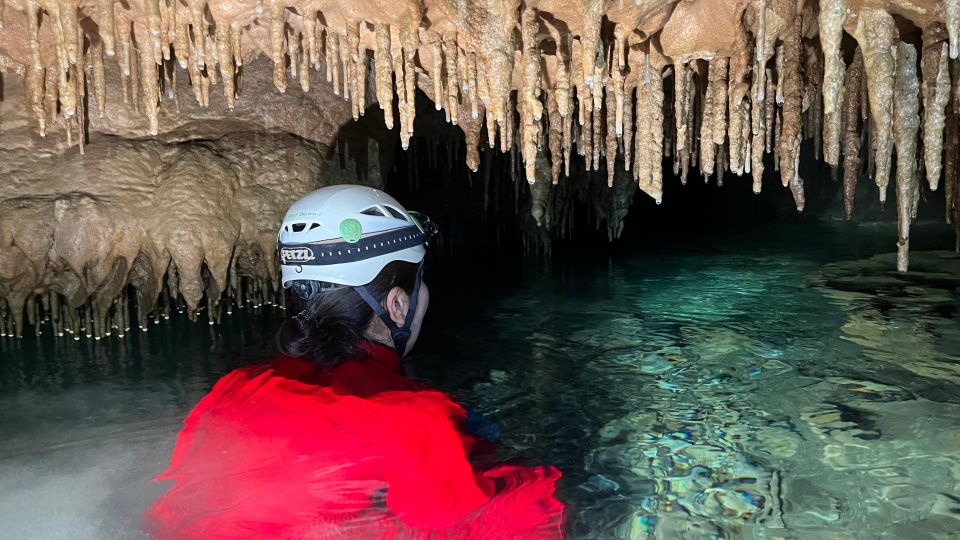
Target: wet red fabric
359,451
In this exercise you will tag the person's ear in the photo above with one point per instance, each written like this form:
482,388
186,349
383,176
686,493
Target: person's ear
396,304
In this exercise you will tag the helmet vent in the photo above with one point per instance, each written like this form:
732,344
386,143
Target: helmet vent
313,226
396,213
373,211
299,227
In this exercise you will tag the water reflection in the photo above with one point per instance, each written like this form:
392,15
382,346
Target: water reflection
740,394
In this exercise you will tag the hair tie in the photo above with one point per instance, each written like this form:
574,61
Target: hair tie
305,317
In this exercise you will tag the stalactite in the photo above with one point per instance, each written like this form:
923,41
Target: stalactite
780,76
277,35
758,117
738,127
814,73
935,91
554,138
627,139
952,13
330,55
708,149
720,101
197,12
463,77
586,141
530,108
762,49
876,32
906,105
741,64
150,92
167,27
739,117
590,43
789,140
472,67
345,70
452,58
293,53
152,22
853,97
181,36
383,72
397,60
833,13
99,79
482,86
358,59
134,78
105,18
311,32
681,81
226,64
596,145
689,153
79,81
648,145
195,79
67,92
617,78
69,27
35,72
346,73
50,98
561,87
611,135
833,123
305,67
411,41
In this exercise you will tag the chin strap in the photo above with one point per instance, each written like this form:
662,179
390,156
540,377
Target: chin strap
400,334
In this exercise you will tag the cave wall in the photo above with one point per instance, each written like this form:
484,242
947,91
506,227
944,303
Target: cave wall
98,240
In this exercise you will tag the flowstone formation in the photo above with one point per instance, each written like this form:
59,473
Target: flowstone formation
631,87
180,224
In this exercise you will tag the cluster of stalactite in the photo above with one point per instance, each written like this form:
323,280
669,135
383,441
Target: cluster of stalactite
130,310
147,229
612,88
621,86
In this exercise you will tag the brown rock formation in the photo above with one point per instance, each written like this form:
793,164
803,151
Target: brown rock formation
715,84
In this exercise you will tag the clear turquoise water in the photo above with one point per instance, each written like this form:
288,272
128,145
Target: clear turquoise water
699,390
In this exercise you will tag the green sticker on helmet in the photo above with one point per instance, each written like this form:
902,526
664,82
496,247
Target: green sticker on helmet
351,230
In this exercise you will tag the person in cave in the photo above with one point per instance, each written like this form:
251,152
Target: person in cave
330,440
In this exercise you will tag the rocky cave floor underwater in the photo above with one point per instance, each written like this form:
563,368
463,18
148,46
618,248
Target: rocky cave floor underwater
780,383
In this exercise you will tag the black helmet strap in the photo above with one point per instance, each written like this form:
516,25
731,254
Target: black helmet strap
400,334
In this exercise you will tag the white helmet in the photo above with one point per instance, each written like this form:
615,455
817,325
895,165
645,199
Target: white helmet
346,234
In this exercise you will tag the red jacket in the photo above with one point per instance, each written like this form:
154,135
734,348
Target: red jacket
357,451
